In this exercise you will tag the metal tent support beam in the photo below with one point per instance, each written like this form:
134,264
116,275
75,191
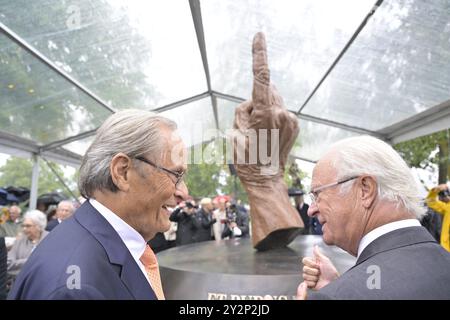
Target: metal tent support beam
349,43
25,148
179,103
309,118
340,126
429,121
216,116
196,13
56,144
61,180
34,183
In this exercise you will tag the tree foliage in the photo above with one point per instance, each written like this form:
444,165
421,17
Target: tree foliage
17,172
428,150
202,180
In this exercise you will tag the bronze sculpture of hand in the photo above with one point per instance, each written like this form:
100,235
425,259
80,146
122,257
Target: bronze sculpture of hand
275,222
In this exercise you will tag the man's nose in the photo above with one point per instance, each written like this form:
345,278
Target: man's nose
181,192
313,209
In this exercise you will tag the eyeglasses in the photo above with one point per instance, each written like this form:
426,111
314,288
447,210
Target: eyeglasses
178,175
27,226
314,195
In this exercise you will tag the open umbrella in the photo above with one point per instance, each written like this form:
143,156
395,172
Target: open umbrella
10,198
3,196
21,193
51,198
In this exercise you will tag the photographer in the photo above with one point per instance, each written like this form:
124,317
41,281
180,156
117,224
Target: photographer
438,199
204,220
184,215
236,222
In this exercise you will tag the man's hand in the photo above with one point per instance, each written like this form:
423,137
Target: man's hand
318,271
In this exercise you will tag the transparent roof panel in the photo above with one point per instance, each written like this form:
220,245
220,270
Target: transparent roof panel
195,121
396,68
80,146
39,105
303,38
141,54
315,138
225,112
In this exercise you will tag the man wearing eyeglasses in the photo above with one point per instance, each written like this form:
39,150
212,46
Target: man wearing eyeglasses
131,175
364,195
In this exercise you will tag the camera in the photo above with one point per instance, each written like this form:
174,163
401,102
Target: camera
189,205
444,193
231,212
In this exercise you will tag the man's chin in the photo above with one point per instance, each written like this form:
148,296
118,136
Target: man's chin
326,239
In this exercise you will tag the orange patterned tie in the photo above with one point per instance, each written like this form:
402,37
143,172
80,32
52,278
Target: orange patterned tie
150,263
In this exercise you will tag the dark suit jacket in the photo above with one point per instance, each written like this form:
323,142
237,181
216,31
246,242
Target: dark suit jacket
51,224
3,273
85,242
303,212
203,222
411,265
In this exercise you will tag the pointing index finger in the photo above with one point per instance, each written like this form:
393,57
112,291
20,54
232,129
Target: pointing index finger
261,73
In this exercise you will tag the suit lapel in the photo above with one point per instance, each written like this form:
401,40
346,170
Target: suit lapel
395,239
131,275
136,282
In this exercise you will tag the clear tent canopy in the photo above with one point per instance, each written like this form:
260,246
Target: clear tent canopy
343,67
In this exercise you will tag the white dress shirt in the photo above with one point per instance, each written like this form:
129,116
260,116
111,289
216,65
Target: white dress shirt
132,239
378,232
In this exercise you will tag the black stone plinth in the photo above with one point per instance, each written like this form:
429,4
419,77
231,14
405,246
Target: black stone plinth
234,270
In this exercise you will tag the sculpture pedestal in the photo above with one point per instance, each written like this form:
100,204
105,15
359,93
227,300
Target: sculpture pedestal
234,270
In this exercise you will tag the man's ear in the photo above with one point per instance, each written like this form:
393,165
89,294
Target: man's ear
119,167
369,188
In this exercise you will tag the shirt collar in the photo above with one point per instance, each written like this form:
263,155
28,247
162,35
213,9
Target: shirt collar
382,230
132,239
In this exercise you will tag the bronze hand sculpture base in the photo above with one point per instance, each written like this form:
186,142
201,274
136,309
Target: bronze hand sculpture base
278,239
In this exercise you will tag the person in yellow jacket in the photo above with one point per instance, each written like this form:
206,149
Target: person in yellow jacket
438,199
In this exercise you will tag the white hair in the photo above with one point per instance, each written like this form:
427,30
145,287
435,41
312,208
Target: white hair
70,203
38,217
368,155
133,132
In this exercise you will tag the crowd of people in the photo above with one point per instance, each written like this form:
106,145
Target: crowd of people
210,219
22,234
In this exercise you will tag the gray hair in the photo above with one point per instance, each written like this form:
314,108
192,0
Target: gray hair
368,155
133,132
38,217
66,202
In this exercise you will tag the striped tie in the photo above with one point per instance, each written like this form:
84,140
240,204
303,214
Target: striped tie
150,263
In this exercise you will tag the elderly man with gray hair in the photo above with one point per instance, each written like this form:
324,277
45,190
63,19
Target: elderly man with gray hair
131,176
33,226
64,210
11,227
365,197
